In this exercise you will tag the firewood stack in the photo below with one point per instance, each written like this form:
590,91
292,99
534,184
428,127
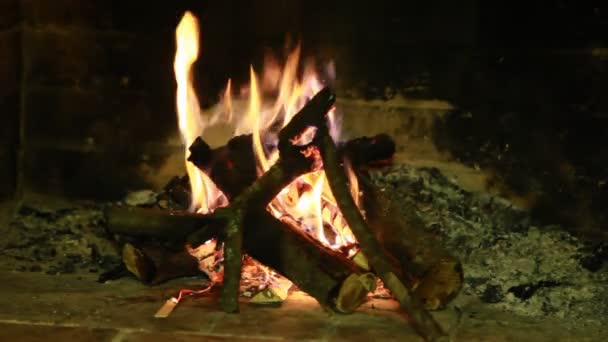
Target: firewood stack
398,250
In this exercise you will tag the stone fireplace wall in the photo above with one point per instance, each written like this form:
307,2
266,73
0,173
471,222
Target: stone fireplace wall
91,102
10,76
87,87
97,94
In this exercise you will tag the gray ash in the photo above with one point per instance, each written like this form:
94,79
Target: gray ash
508,260
58,241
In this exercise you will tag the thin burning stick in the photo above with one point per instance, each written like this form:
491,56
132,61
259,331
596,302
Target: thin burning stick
294,161
420,318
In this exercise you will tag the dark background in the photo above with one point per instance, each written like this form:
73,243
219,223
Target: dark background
87,89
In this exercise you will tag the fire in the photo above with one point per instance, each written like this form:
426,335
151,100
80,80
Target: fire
205,195
307,200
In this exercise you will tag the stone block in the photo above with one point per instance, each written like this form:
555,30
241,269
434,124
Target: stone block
104,174
100,118
10,60
9,14
94,60
126,16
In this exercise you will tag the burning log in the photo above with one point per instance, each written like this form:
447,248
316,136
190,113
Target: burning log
294,161
420,318
429,271
232,167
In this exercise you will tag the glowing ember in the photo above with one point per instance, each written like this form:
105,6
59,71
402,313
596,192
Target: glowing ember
308,199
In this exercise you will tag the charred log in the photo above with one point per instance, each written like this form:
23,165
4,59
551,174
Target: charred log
420,318
368,151
233,167
177,193
433,274
171,226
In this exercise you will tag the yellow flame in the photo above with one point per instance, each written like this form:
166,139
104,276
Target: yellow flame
186,35
353,182
317,207
191,123
308,199
228,101
254,113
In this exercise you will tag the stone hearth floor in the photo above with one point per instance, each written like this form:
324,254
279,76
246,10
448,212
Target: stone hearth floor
41,307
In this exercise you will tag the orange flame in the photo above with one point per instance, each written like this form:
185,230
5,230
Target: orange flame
307,200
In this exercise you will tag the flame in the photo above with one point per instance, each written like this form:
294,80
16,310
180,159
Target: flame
191,124
228,101
308,199
353,181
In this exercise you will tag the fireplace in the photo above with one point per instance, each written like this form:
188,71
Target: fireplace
466,181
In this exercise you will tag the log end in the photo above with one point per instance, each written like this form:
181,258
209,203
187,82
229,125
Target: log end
440,284
138,263
353,292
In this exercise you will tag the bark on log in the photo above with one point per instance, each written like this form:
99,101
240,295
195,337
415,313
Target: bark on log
155,223
232,167
434,275
420,318
155,265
